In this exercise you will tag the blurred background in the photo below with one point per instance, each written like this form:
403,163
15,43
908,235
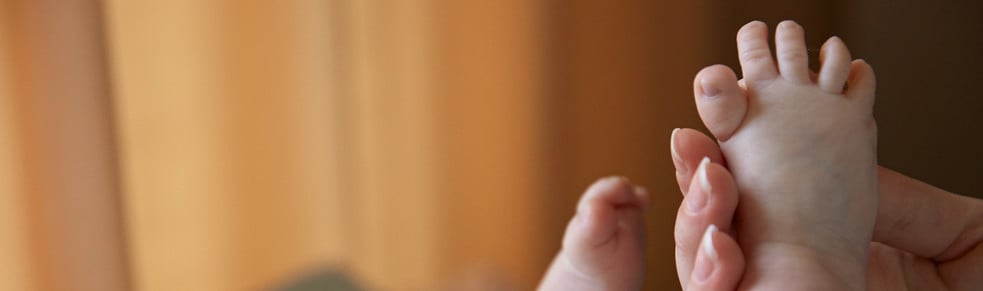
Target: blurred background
397,145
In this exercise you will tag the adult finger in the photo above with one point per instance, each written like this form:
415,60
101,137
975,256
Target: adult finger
719,263
925,220
712,201
908,209
688,147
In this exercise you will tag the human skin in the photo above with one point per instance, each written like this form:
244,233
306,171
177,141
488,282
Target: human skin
924,238
604,243
819,136
797,219
801,147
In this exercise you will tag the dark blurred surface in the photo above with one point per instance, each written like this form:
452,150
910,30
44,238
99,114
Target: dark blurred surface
929,104
320,280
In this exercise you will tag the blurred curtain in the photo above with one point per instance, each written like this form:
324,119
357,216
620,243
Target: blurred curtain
236,145
410,145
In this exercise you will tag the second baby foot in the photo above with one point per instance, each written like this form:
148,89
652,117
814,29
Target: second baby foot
604,244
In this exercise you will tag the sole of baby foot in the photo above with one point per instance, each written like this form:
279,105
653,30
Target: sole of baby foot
803,154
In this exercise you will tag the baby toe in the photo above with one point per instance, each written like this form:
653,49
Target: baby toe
753,52
835,65
790,48
721,102
861,83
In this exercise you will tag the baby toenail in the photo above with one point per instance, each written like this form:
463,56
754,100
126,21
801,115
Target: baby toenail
709,90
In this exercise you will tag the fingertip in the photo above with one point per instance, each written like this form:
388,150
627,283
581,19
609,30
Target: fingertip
673,152
724,185
690,226
731,260
719,264
707,258
707,245
691,146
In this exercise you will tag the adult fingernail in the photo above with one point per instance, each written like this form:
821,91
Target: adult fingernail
697,200
680,166
706,263
707,242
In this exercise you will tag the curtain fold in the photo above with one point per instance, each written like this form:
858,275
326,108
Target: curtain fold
224,128
59,150
410,145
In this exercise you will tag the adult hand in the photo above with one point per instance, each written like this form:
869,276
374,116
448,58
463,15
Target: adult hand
924,239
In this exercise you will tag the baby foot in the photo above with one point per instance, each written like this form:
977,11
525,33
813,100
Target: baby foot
603,247
802,148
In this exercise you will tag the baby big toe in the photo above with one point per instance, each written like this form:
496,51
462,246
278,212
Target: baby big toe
721,102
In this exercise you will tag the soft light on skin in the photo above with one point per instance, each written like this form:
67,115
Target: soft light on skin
707,243
702,175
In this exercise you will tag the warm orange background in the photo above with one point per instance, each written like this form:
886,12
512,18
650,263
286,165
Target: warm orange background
412,145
